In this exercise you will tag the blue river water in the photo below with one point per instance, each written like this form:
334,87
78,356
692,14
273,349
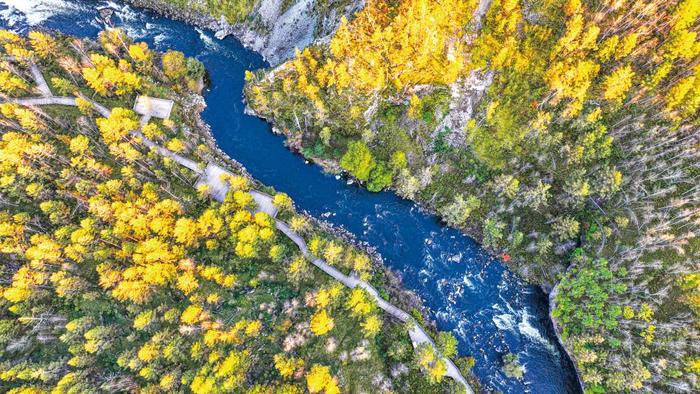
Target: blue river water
468,292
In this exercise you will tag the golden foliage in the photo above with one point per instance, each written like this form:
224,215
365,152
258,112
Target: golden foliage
107,78
321,323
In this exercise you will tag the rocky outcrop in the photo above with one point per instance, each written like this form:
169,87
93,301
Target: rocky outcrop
188,15
466,94
272,28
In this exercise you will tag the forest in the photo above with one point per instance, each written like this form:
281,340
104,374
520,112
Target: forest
119,275
562,134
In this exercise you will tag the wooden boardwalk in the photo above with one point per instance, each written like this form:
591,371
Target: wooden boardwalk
53,100
211,176
41,84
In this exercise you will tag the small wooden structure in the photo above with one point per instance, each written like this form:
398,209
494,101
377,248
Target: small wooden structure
153,107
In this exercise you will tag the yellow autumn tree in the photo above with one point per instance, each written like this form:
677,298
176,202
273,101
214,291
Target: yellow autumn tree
141,54
371,326
429,359
617,84
108,78
287,366
43,44
11,84
118,125
359,302
319,379
174,64
321,323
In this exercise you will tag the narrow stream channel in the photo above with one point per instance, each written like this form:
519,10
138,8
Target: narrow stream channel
489,309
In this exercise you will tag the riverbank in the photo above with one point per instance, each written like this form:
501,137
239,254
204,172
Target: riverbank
388,280
552,295
473,232
408,299
333,167
273,28
189,16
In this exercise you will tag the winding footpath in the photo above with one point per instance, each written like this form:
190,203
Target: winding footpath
416,332
217,189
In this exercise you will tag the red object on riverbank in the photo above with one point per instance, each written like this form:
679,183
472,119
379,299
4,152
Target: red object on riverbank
505,257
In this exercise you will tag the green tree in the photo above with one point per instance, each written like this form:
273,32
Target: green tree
458,211
447,344
358,160
174,64
566,228
379,178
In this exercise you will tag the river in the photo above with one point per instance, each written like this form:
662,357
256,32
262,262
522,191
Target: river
473,295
